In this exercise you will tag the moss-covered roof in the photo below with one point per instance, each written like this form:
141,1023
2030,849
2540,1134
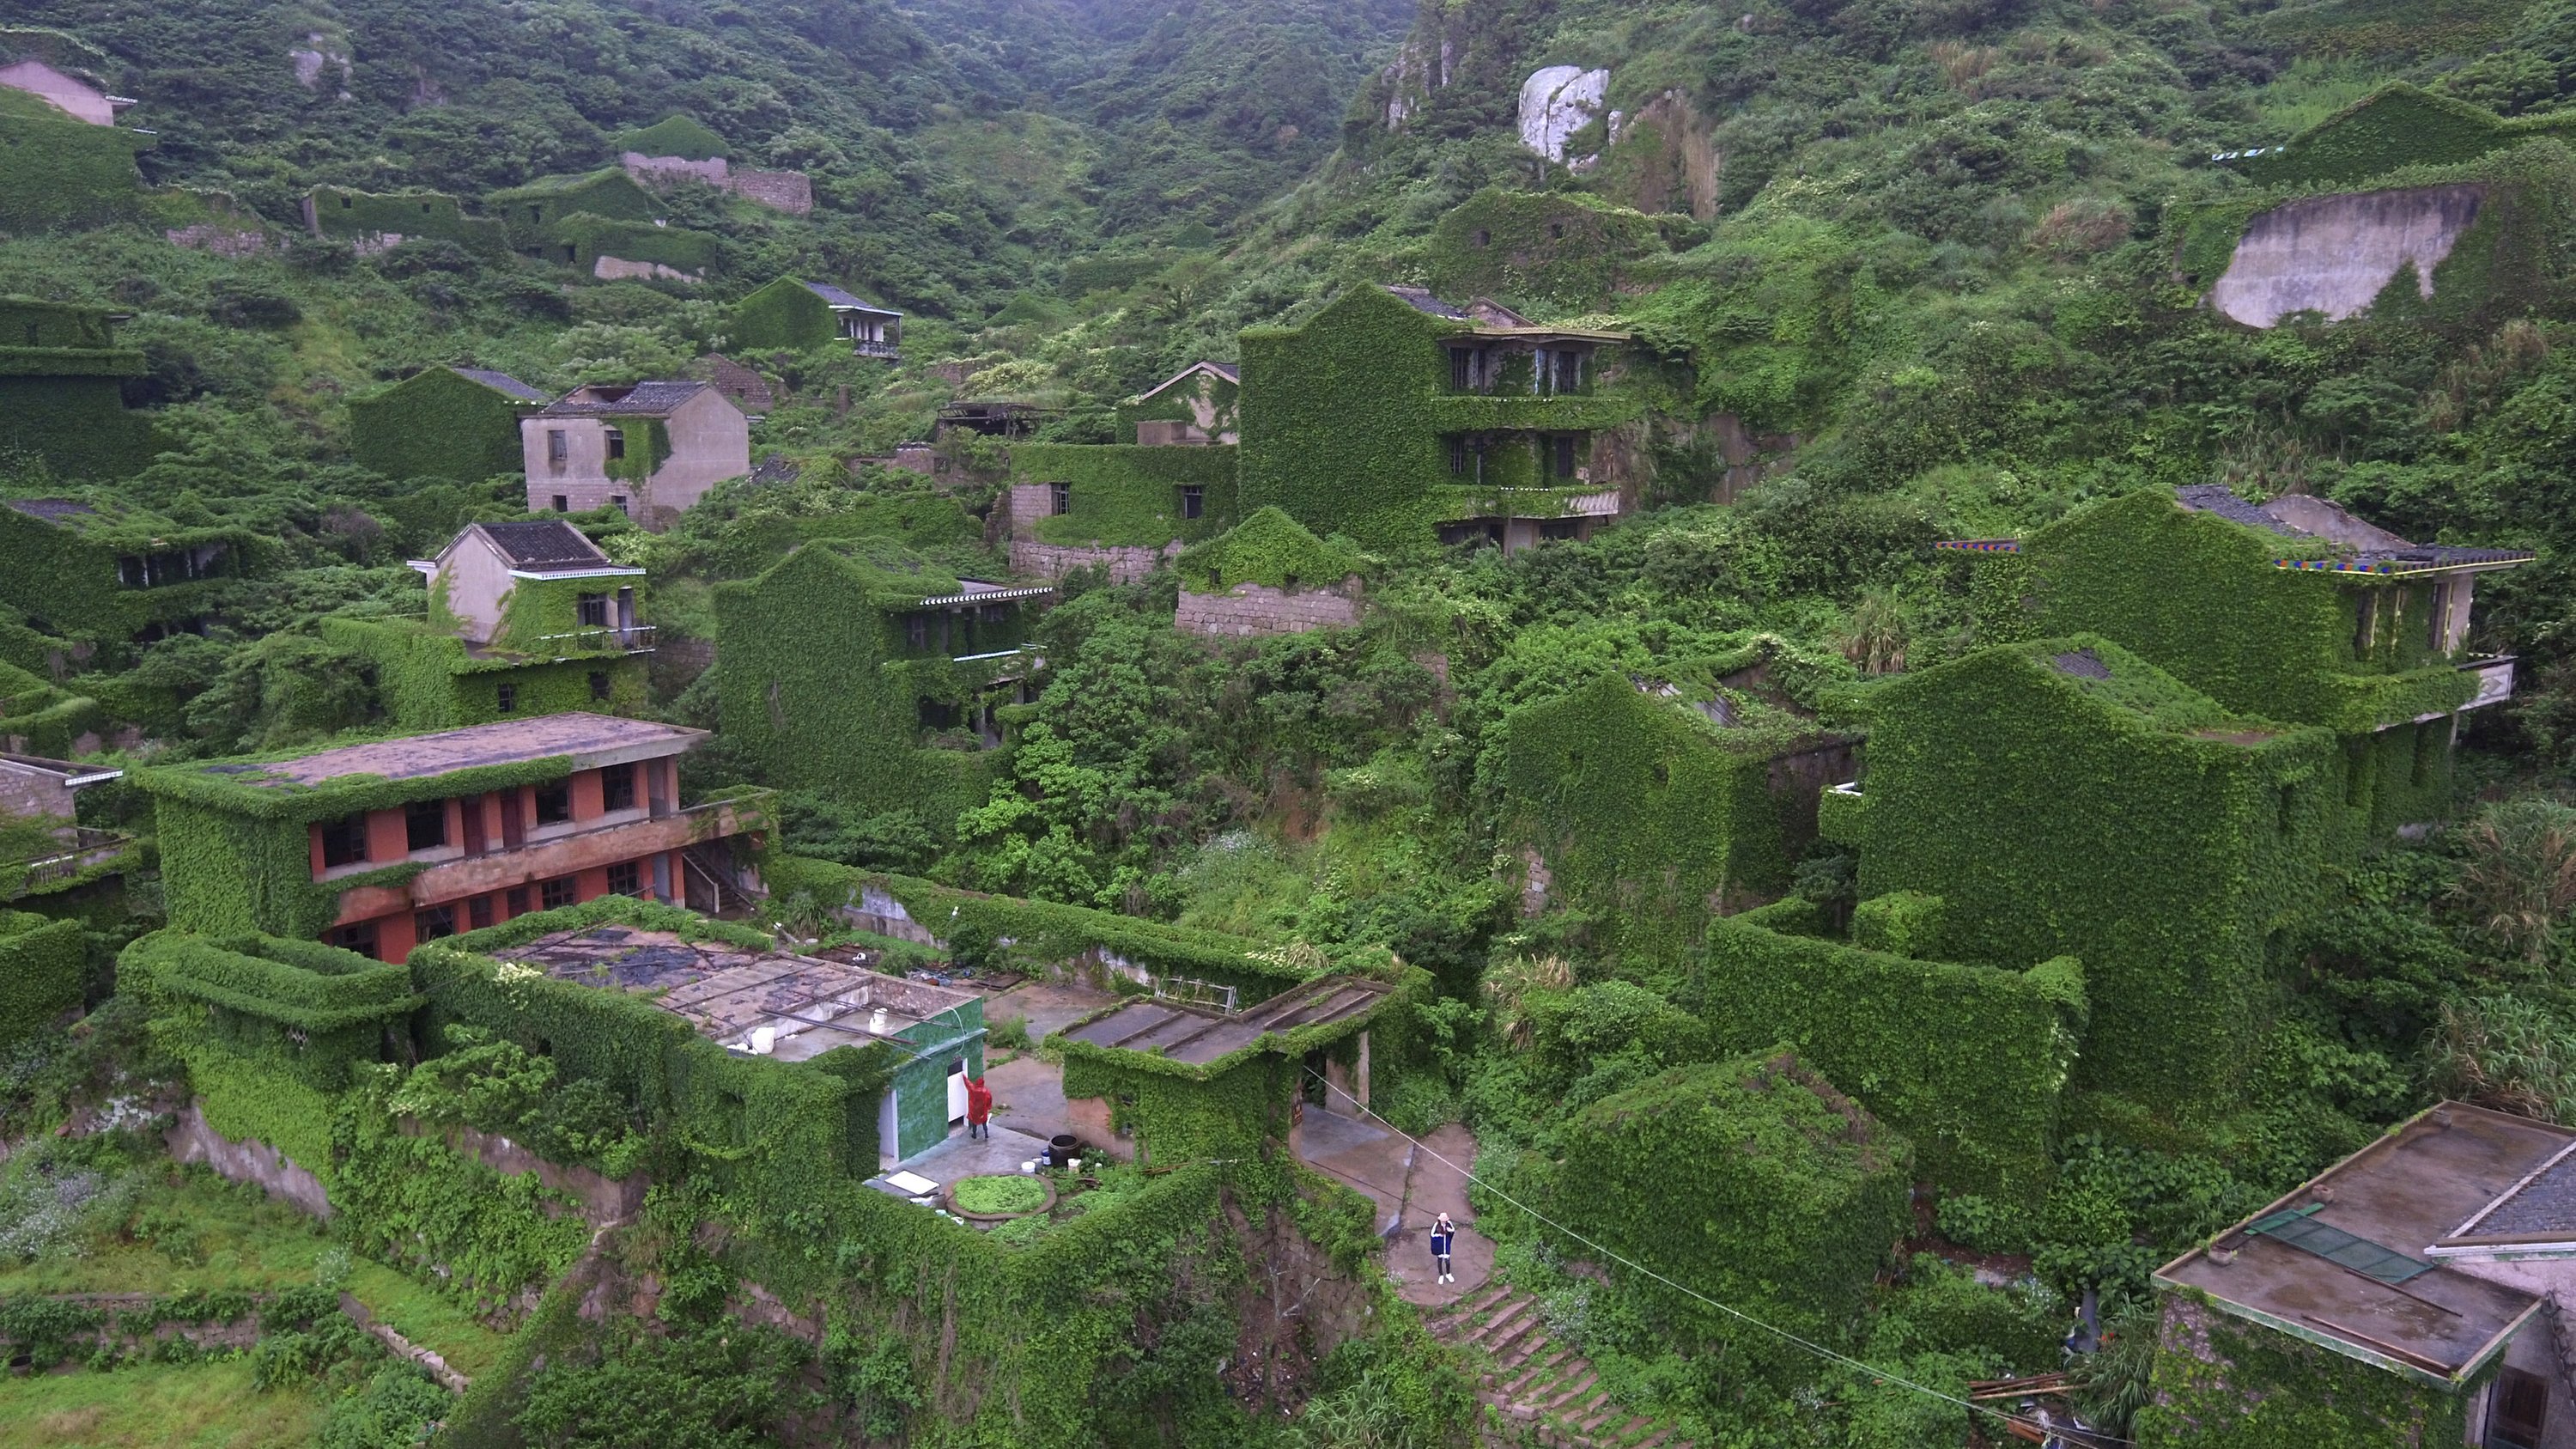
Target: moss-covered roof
1272,549
674,135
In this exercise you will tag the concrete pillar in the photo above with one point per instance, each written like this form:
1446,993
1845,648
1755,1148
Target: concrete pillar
1361,1089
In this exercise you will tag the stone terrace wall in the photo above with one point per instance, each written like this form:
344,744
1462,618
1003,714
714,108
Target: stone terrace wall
1055,560
1250,609
788,191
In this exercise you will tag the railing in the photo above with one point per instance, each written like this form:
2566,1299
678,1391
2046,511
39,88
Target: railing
1195,993
634,638
87,848
886,350
2494,674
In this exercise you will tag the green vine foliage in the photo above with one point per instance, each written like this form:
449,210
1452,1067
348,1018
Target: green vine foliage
1273,550
673,135
1753,1180
437,423
582,239
1127,496
64,574
2065,797
783,316
45,719
1968,1061
41,965
1649,815
1344,421
59,173
429,680
309,1011
1205,401
61,375
1565,248
531,212
818,680
341,212
2395,126
2222,1381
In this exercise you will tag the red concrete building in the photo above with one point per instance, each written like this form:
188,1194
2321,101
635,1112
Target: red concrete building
459,830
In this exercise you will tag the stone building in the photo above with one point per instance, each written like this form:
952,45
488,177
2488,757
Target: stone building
62,376
523,619
61,853
378,846
648,450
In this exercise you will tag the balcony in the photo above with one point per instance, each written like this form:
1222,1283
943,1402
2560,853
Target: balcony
81,850
551,856
633,639
2494,675
885,350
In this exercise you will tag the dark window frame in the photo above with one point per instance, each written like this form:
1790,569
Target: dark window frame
617,787
1059,499
591,610
434,923
344,841
505,698
554,803
562,891
626,878
425,825
1193,500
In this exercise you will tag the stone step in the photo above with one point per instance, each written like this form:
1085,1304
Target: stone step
1535,1372
1518,1337
1582,1384
1502,1328
1465,1310
1531,1345
1629,1431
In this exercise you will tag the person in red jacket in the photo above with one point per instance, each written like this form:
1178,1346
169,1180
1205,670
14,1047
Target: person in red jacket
979,1109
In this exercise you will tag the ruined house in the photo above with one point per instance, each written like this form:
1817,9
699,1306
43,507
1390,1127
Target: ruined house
460,423
70,94
648,450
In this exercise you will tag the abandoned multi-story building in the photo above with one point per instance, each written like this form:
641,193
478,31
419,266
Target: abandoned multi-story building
381,845
524,619
97,574
62,377
1393,416
648,450
856,669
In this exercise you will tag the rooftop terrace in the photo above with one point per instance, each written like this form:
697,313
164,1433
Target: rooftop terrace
730,995
2355,1261
591,740
1196,1035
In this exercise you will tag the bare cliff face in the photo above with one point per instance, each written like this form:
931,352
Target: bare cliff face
2334,254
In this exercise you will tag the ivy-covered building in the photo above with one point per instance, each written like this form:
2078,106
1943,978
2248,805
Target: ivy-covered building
2065,797
381,845
374,221
795,315
62,377
524,619
61,170
1195,406
857,669
460,423
1398,418
44,851
2410,1294
1125,506
100,574
648,450
2293,610
1651,804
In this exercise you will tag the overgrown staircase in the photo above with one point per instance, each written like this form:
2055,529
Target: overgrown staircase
1541,1392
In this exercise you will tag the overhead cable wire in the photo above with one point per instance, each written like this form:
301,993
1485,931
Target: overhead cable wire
1820,1350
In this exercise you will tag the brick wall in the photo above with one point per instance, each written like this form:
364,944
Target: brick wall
27,794
1249,609
1055,560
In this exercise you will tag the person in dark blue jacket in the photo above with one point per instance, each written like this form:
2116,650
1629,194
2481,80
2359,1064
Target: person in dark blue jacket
1444,1234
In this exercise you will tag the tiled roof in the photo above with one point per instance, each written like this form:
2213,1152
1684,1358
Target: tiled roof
501,382
643,400
51,510
544,545
2361,547
2219,499
1421,300
839,298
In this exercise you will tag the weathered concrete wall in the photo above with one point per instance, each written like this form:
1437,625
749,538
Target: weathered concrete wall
27,792
215,237
651,170
2334,254
72,97
1055,560
191,1140
788,191
1249,609
617,269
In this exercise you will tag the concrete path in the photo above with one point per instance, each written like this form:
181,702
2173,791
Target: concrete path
1359,1153
961,1156
1435,1187
1028,1096
1047,1006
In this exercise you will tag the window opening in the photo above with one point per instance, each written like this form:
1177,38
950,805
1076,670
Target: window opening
425,824
434,923
1565,456
517,900
916,630
554,804
562,504
360,938
478,912
558,450
599,686
617,788
344,841
593,609
618,502
625,879
1569,371
505,698
1462,369
558,893
2521,1411
616,438
1458,457
1193,500
1059,498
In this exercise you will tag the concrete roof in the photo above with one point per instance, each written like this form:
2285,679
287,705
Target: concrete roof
2406,1191
591,740
1195,1035
838,299
727,993
66,772
51,510
545,545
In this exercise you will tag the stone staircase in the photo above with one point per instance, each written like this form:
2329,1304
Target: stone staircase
1541,1392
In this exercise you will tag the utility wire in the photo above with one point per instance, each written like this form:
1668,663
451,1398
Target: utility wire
1774,1330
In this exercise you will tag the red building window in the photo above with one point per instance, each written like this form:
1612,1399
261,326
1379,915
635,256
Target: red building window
435,922
554,803
626,878
344,841
554,895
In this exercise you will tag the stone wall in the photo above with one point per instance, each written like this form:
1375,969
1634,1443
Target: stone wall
1250,609
652,170
248,1161
1055,560
618,269
788,191
2334,254
218,238
27,792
